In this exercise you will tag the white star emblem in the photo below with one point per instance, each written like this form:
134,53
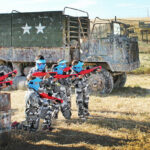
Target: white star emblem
39,28
26,29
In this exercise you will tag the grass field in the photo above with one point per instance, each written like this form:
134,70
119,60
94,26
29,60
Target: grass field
121,121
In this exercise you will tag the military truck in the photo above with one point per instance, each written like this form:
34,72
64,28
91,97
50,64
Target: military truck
58,35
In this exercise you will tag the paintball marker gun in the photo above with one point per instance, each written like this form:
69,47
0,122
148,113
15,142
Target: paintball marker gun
6,82
10,74
42,74
47,96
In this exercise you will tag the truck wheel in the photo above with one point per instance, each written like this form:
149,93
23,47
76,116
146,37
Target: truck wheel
120,80
19,83
101,82
5,69
26,70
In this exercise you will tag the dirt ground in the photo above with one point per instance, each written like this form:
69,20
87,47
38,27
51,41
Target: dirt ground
120,121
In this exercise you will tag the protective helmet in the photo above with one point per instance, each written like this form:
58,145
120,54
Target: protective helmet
59,69
78,67
34,84
62,63
41,64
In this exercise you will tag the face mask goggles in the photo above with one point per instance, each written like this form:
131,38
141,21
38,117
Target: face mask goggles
34,84
63,64
59,69
41,64
78,67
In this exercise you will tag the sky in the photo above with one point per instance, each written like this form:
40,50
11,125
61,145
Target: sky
95,8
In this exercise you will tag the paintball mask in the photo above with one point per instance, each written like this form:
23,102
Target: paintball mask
59,69
34,84
41,64
62,63
78,67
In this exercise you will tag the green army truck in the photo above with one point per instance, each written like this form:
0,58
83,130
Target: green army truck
57,35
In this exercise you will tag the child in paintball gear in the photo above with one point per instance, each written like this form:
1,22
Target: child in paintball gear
39,67
59,91
68,82
37,107
81,89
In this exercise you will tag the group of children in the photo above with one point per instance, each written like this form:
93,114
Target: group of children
37,107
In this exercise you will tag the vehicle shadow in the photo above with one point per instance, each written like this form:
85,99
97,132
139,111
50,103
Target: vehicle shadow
66,136
24,140
131,92
125,92
61,138
113,112
115,123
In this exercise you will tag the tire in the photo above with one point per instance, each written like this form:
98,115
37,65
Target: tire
19,83
5,69
26,70
101,83
120,80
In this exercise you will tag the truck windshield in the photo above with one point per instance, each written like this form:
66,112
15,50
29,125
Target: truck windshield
101,31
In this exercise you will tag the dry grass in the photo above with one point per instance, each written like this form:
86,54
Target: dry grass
144,47
144,64
121,121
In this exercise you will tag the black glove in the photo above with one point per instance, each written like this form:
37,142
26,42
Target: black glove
49,93
1,74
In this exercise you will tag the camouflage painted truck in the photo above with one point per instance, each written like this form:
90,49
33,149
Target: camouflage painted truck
57,35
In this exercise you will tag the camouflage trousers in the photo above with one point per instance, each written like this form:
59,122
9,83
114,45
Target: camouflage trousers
68,94
82,100
34,114
65,106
